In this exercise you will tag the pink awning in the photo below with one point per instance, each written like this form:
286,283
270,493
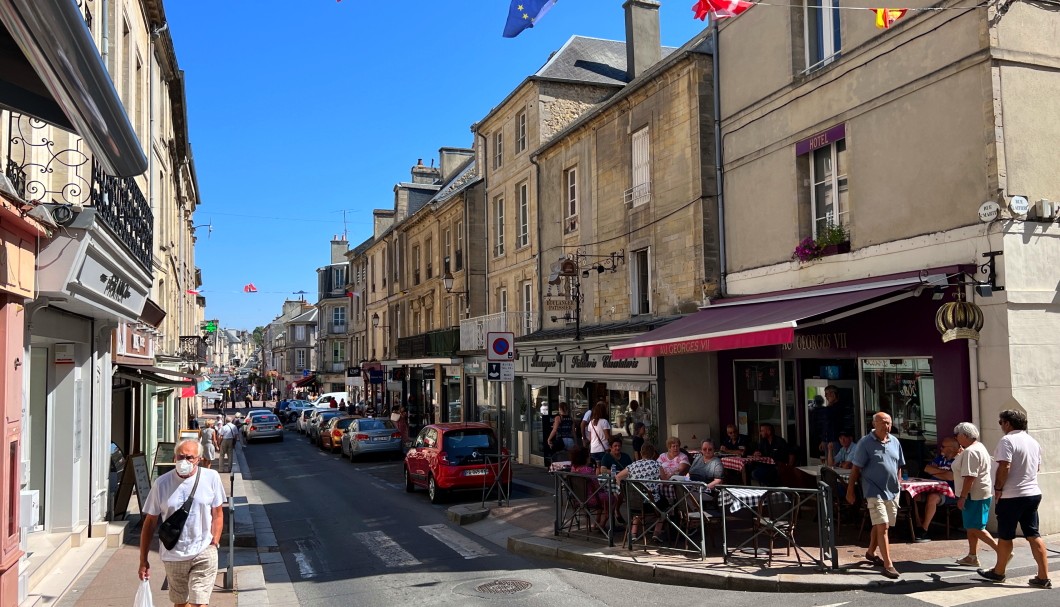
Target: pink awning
756,322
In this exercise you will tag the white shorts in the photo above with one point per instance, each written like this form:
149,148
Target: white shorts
882,511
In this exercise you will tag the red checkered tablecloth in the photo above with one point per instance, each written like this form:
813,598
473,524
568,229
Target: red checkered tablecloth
916,486
738,463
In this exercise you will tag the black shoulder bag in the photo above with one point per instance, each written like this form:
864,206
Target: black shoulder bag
170,529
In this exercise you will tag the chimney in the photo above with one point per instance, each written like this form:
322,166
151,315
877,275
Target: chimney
339,246
424,174
452,159
643,47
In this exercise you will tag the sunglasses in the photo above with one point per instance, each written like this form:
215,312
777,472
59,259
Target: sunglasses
187,457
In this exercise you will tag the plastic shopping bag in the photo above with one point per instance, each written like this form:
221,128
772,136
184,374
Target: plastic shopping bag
143,595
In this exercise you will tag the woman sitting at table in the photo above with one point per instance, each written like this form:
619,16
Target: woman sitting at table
598,499
615,457
646,469
673,462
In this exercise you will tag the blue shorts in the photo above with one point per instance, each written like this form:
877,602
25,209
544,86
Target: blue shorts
976,513
1022,510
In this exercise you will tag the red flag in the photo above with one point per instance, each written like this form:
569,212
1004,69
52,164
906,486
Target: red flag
192,291
250,288
886,16
722,9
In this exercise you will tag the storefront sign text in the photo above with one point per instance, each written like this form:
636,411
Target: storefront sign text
536,362
554,304
115,287
821,341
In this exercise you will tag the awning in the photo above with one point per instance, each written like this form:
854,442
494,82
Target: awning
305,381
145,376
429,361
759,322
541,382
60,78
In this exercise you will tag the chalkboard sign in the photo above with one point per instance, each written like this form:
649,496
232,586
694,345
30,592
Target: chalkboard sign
135,474
164,454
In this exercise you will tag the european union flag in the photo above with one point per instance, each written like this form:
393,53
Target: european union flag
523,14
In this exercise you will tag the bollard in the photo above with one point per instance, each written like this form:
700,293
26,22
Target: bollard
230,573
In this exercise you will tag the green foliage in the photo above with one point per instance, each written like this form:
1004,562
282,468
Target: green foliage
833,233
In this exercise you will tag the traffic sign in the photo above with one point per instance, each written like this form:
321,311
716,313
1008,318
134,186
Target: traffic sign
500,346
503,371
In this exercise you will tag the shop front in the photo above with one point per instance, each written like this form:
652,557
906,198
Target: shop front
487,401
580,374
817,362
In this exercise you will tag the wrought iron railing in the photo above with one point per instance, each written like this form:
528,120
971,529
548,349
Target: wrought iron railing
444,342
473,331
192,348
84,5
122,205
42,171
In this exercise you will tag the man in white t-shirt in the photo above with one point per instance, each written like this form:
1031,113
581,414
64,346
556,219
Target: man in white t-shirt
1017,494
971,485
191,566
228,435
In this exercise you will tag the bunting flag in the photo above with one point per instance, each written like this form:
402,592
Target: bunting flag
250,288
523,14
886,16
192,292
722,9
352,294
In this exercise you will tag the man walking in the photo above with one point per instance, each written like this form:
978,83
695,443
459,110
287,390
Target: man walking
878,461
191,565
971,482
1016,491
228,435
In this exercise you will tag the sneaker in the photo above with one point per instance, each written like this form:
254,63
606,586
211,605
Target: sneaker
921,536
1038,582
989,575
971,561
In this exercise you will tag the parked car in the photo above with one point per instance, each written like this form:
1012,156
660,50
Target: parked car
281,408
371,435
332,432
294,409
448,457
263,425
307,417
323,399
248,416
317,423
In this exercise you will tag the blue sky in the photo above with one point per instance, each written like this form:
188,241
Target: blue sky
301,110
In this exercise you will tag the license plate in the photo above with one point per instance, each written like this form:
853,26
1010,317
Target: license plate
479,472
381,439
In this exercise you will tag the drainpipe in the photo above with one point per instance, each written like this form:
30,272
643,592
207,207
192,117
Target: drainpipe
719,177
105,42
485,226
973,369
540,261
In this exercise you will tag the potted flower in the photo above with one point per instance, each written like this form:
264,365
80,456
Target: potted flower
833,239
807,250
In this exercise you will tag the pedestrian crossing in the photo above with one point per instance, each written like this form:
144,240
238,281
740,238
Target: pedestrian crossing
391,555
975,592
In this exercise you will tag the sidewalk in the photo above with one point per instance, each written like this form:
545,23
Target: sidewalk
527,527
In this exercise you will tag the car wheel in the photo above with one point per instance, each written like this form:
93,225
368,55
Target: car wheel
433,491
409,487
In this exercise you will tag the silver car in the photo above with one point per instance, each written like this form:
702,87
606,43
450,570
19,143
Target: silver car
263,425
307,416
371,435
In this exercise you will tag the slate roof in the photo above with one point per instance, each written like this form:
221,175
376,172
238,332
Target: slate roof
633,326
308,317
590,60
463,179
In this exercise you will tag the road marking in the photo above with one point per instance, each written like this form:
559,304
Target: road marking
972,593
305,568
386,549
453,539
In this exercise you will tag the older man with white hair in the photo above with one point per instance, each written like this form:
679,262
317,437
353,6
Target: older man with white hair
191,563
971,484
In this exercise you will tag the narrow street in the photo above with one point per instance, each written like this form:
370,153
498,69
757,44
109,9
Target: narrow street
349,534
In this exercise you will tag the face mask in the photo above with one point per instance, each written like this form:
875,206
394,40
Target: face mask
184,467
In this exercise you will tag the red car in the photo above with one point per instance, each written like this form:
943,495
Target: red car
447,457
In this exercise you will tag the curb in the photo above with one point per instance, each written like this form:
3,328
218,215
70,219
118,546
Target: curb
534,489
465,515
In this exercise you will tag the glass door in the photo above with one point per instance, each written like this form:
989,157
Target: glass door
758,396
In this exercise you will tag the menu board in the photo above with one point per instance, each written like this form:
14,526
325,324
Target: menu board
135,474
164,453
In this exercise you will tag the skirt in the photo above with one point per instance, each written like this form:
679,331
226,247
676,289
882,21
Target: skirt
209,451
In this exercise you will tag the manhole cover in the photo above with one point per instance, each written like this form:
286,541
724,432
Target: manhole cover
503,587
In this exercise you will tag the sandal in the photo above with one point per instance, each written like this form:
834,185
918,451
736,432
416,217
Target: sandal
875,560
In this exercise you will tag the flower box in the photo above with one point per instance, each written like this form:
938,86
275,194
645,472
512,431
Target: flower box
835,249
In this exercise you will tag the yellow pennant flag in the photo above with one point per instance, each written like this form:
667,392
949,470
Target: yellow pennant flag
886,16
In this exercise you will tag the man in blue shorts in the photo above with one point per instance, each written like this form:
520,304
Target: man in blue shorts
1016,491
971,481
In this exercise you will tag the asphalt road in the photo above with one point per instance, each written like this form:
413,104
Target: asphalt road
350,535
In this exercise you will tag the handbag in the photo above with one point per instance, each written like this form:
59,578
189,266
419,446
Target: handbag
170,529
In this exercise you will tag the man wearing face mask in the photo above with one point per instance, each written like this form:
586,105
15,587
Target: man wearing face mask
191,565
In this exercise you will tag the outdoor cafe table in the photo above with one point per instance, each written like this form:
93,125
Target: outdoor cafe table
916,486
737,498
739,464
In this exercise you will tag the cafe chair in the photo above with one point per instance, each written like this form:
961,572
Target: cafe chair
642,514
777,518
708,516
580,502
840,508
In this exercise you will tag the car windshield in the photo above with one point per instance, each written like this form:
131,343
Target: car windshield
327,416
464,442
375,424
264,419
344,423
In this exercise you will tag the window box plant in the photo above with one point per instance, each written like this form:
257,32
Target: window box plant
831,240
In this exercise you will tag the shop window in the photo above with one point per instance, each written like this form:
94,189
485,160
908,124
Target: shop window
904,388
764,395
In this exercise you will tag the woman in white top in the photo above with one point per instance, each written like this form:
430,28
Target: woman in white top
599,432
